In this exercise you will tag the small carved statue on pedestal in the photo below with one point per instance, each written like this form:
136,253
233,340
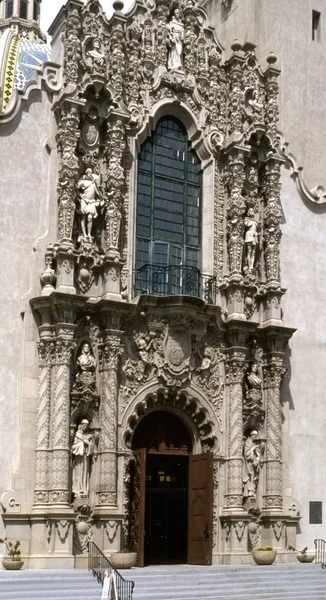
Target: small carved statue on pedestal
251,466
83,447
90,199
175,42
251,238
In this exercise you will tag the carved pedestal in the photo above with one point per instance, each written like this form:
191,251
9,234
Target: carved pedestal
65,269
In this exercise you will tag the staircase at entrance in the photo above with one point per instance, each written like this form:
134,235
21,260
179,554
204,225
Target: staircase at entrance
276,582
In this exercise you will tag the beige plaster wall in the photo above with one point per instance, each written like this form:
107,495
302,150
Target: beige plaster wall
26,209
285,28
303,251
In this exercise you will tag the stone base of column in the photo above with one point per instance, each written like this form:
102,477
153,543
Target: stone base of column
106,499
65,269
112,279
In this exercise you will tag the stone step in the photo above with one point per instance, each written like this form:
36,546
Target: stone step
236,582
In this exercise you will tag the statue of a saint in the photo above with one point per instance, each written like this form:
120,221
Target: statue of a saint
175,42
90,199
82,450
96,53
251,238
251,465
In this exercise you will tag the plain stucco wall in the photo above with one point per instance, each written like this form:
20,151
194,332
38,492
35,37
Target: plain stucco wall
303,266
25,211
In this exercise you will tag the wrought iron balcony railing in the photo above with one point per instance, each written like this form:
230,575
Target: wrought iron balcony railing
174,280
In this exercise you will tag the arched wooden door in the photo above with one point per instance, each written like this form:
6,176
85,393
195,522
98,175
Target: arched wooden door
171,494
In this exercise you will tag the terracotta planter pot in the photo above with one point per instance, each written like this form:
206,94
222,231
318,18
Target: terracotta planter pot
12,565
264,557
123,560
306,558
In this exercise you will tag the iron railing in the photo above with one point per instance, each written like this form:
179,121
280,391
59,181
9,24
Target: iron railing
175,280
320,546
98,563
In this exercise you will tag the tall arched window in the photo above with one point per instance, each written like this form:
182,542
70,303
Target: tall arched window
9,8
168,213
23,10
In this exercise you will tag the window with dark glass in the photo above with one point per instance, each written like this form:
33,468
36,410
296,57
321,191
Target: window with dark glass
9,8
36,10
168,212
23,9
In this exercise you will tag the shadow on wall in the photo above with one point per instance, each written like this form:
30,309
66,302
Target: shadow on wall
286,388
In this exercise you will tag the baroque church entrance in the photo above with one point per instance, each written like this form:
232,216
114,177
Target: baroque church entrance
171,494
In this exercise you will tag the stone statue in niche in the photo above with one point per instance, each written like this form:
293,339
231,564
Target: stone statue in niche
96,54
253,385
86,361
86,364
175,42
83,447
90,200
251,238
251,465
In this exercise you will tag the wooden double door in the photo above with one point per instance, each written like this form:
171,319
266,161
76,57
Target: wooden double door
171,506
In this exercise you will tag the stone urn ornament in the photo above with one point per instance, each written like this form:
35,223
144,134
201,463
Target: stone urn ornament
13,561
123,560
264,556
304,555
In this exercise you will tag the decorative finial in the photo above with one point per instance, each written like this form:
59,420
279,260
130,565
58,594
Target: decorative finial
118,5
236,46
271,58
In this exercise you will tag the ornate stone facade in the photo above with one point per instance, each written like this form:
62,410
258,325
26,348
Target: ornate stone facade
191,355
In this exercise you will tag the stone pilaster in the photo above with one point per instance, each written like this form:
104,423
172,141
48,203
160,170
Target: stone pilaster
272,219
43,424
235,367
273,373
236,208
107,492
60,471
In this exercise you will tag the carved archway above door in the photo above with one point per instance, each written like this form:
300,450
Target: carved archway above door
185,406
162,432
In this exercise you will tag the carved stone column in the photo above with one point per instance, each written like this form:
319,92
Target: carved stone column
43,424
236,208
273,372
60,471
67,138
235,367
236,90
272,219
107,493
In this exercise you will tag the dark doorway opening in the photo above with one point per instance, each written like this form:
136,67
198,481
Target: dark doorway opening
171,494
166,513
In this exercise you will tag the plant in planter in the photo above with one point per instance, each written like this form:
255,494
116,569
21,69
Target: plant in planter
304,555
264,555
124,559
14,561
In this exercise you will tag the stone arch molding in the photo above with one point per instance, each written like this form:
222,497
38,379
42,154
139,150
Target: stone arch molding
202,141
187,403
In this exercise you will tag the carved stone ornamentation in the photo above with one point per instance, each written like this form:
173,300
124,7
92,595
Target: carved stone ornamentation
72,46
